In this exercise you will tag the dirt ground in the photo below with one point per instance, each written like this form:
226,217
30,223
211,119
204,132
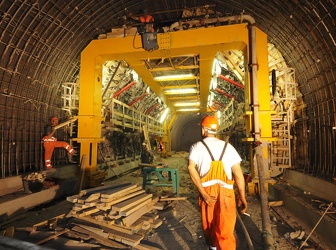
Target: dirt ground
181,227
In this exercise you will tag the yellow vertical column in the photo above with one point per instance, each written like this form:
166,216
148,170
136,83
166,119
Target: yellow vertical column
265,123
90,102
263,87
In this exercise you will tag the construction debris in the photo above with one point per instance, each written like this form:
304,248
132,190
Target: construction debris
117,216
34,182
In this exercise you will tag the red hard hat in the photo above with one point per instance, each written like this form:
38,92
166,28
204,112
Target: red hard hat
53,118
210,122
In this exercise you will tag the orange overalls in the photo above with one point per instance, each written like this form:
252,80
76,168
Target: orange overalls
49,145
148,20
219,219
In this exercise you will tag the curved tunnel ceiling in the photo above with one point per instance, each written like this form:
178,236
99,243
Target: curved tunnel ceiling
41,42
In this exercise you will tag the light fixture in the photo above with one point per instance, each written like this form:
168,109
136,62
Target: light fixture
219,115
180,91
186,104
175,77
188,109
213,82
165,113
135,76
216,68
211,97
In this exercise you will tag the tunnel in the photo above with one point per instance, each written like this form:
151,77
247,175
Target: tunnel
265,69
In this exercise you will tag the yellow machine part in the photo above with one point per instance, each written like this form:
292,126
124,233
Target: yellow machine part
205,42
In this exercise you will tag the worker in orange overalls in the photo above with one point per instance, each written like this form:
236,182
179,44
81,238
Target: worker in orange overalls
213,166
146,19
50,143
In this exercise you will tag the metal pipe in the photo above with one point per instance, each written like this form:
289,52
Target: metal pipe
137,99
265,217
9,152
246,234
224,93
111,79
24,138
2,153
124,89
218,103
266,224
151,108
214,20
16,144
232,82
330,205
30,147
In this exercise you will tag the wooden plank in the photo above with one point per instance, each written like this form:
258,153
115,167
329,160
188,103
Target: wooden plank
77,235
92,197
143,246
131,240
136,226
98,235
114,216
129,220
122,206
102,188
73,198
9,232
151,216
156,223
53,236
135,208
88,198
147,140
78,207
190,230
159,205
171,204
118,191
145,232
103,225
87,212
48,222
112,198
122,198
82,173
173,199
275,203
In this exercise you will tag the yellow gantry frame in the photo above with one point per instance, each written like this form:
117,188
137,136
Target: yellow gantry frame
205,42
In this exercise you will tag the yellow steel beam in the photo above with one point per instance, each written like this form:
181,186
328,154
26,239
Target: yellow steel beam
263,87
205,43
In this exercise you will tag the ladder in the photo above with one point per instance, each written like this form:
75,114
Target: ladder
284,98
70,97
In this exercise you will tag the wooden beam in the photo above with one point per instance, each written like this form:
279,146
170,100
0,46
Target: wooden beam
53,236
129,220
98,235
135,208
102,189
122,206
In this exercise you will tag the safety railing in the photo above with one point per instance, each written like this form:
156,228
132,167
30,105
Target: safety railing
125,116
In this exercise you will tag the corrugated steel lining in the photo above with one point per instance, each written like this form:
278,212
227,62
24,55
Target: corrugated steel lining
41,41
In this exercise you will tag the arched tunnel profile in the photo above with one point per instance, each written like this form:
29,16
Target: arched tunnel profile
130,82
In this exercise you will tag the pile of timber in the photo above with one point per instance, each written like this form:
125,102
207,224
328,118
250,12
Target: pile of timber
122,213
117,216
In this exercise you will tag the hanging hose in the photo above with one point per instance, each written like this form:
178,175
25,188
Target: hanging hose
246,234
